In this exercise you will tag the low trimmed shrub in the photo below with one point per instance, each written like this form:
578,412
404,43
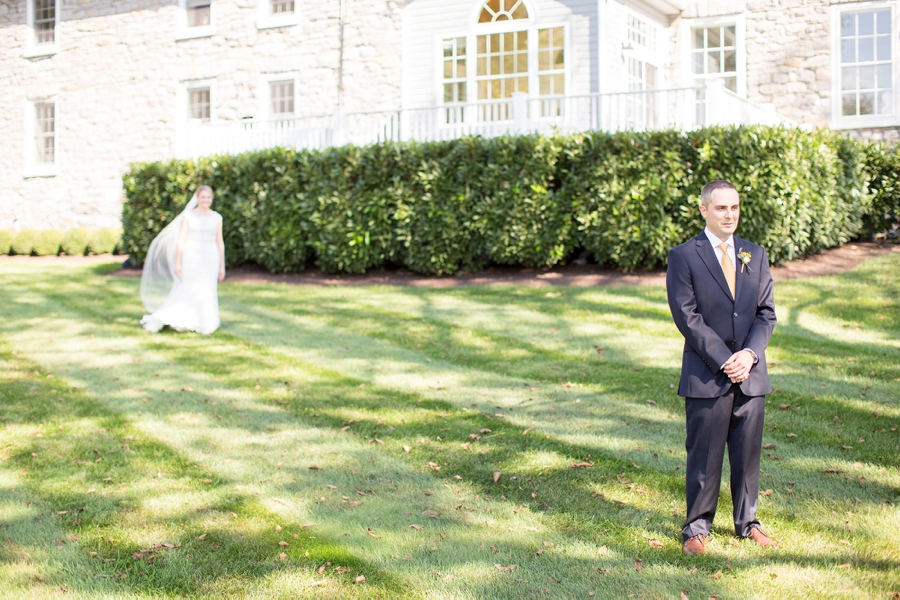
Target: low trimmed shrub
75,241
23,243
47,243
438,207
6,239
882,167
104,240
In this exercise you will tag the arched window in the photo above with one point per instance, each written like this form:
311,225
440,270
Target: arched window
504,52
502,10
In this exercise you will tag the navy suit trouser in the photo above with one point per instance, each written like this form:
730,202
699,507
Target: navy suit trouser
736,421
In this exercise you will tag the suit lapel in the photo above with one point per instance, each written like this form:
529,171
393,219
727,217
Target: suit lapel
708,255
738,276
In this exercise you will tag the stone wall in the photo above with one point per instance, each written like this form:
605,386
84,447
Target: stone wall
116,80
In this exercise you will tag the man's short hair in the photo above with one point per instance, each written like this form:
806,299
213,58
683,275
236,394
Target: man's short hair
708,189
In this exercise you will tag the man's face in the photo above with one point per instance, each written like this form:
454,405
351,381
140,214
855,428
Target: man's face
722,213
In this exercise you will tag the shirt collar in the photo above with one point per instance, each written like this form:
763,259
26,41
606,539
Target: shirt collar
715,241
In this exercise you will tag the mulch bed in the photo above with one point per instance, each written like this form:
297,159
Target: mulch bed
828,262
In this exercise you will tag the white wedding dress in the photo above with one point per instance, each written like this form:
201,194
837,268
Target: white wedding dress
193,302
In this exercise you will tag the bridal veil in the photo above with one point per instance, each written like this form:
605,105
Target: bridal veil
159,265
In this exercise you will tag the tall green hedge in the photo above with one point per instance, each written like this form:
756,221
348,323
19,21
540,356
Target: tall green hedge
438,207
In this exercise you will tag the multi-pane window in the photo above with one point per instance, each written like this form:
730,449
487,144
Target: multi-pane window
499,60
199,12
281,95
502,10
641,107
551,62
198,104
641,33
714,54
45,132
281,7
44,21
866,65
454,70
502,64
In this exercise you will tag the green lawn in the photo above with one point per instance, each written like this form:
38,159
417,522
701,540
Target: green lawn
406,442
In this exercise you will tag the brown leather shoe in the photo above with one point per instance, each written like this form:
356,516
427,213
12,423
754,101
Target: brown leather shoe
695,545
757,535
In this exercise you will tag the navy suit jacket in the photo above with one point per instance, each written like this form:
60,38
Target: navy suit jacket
714,324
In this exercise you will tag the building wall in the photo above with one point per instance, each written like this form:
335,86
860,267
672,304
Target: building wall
116,80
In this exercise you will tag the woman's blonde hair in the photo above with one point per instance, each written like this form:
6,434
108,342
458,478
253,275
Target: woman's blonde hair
204,188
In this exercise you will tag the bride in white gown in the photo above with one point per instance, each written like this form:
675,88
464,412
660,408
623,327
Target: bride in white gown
184,264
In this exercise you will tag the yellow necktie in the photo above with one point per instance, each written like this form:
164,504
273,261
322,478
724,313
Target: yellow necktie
727,267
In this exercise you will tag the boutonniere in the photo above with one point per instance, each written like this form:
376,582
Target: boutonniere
744,257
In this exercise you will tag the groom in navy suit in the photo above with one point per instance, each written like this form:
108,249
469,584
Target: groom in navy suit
720,294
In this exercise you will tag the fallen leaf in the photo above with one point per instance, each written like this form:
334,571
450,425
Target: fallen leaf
843,566
716,575
769,446
417,527
655,544
360,579
372,533
500,567
684,596
784,406
582,465
406,448
278,529
791,435
282,556
692,571
283,543
316,468
319,583
485,431
832,471
602,550
649,401
847,447
497,475
766,493
638,565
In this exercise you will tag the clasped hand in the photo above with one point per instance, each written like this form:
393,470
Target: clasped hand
738,366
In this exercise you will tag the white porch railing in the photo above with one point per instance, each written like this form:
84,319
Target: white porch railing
679,108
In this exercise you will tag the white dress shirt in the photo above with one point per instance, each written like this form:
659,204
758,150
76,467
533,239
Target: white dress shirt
715,244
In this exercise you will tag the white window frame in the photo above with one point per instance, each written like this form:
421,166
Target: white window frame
33,168
839,120
268,20
185,126
643,53
740,31
183,32
33,49
265,93
532,24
